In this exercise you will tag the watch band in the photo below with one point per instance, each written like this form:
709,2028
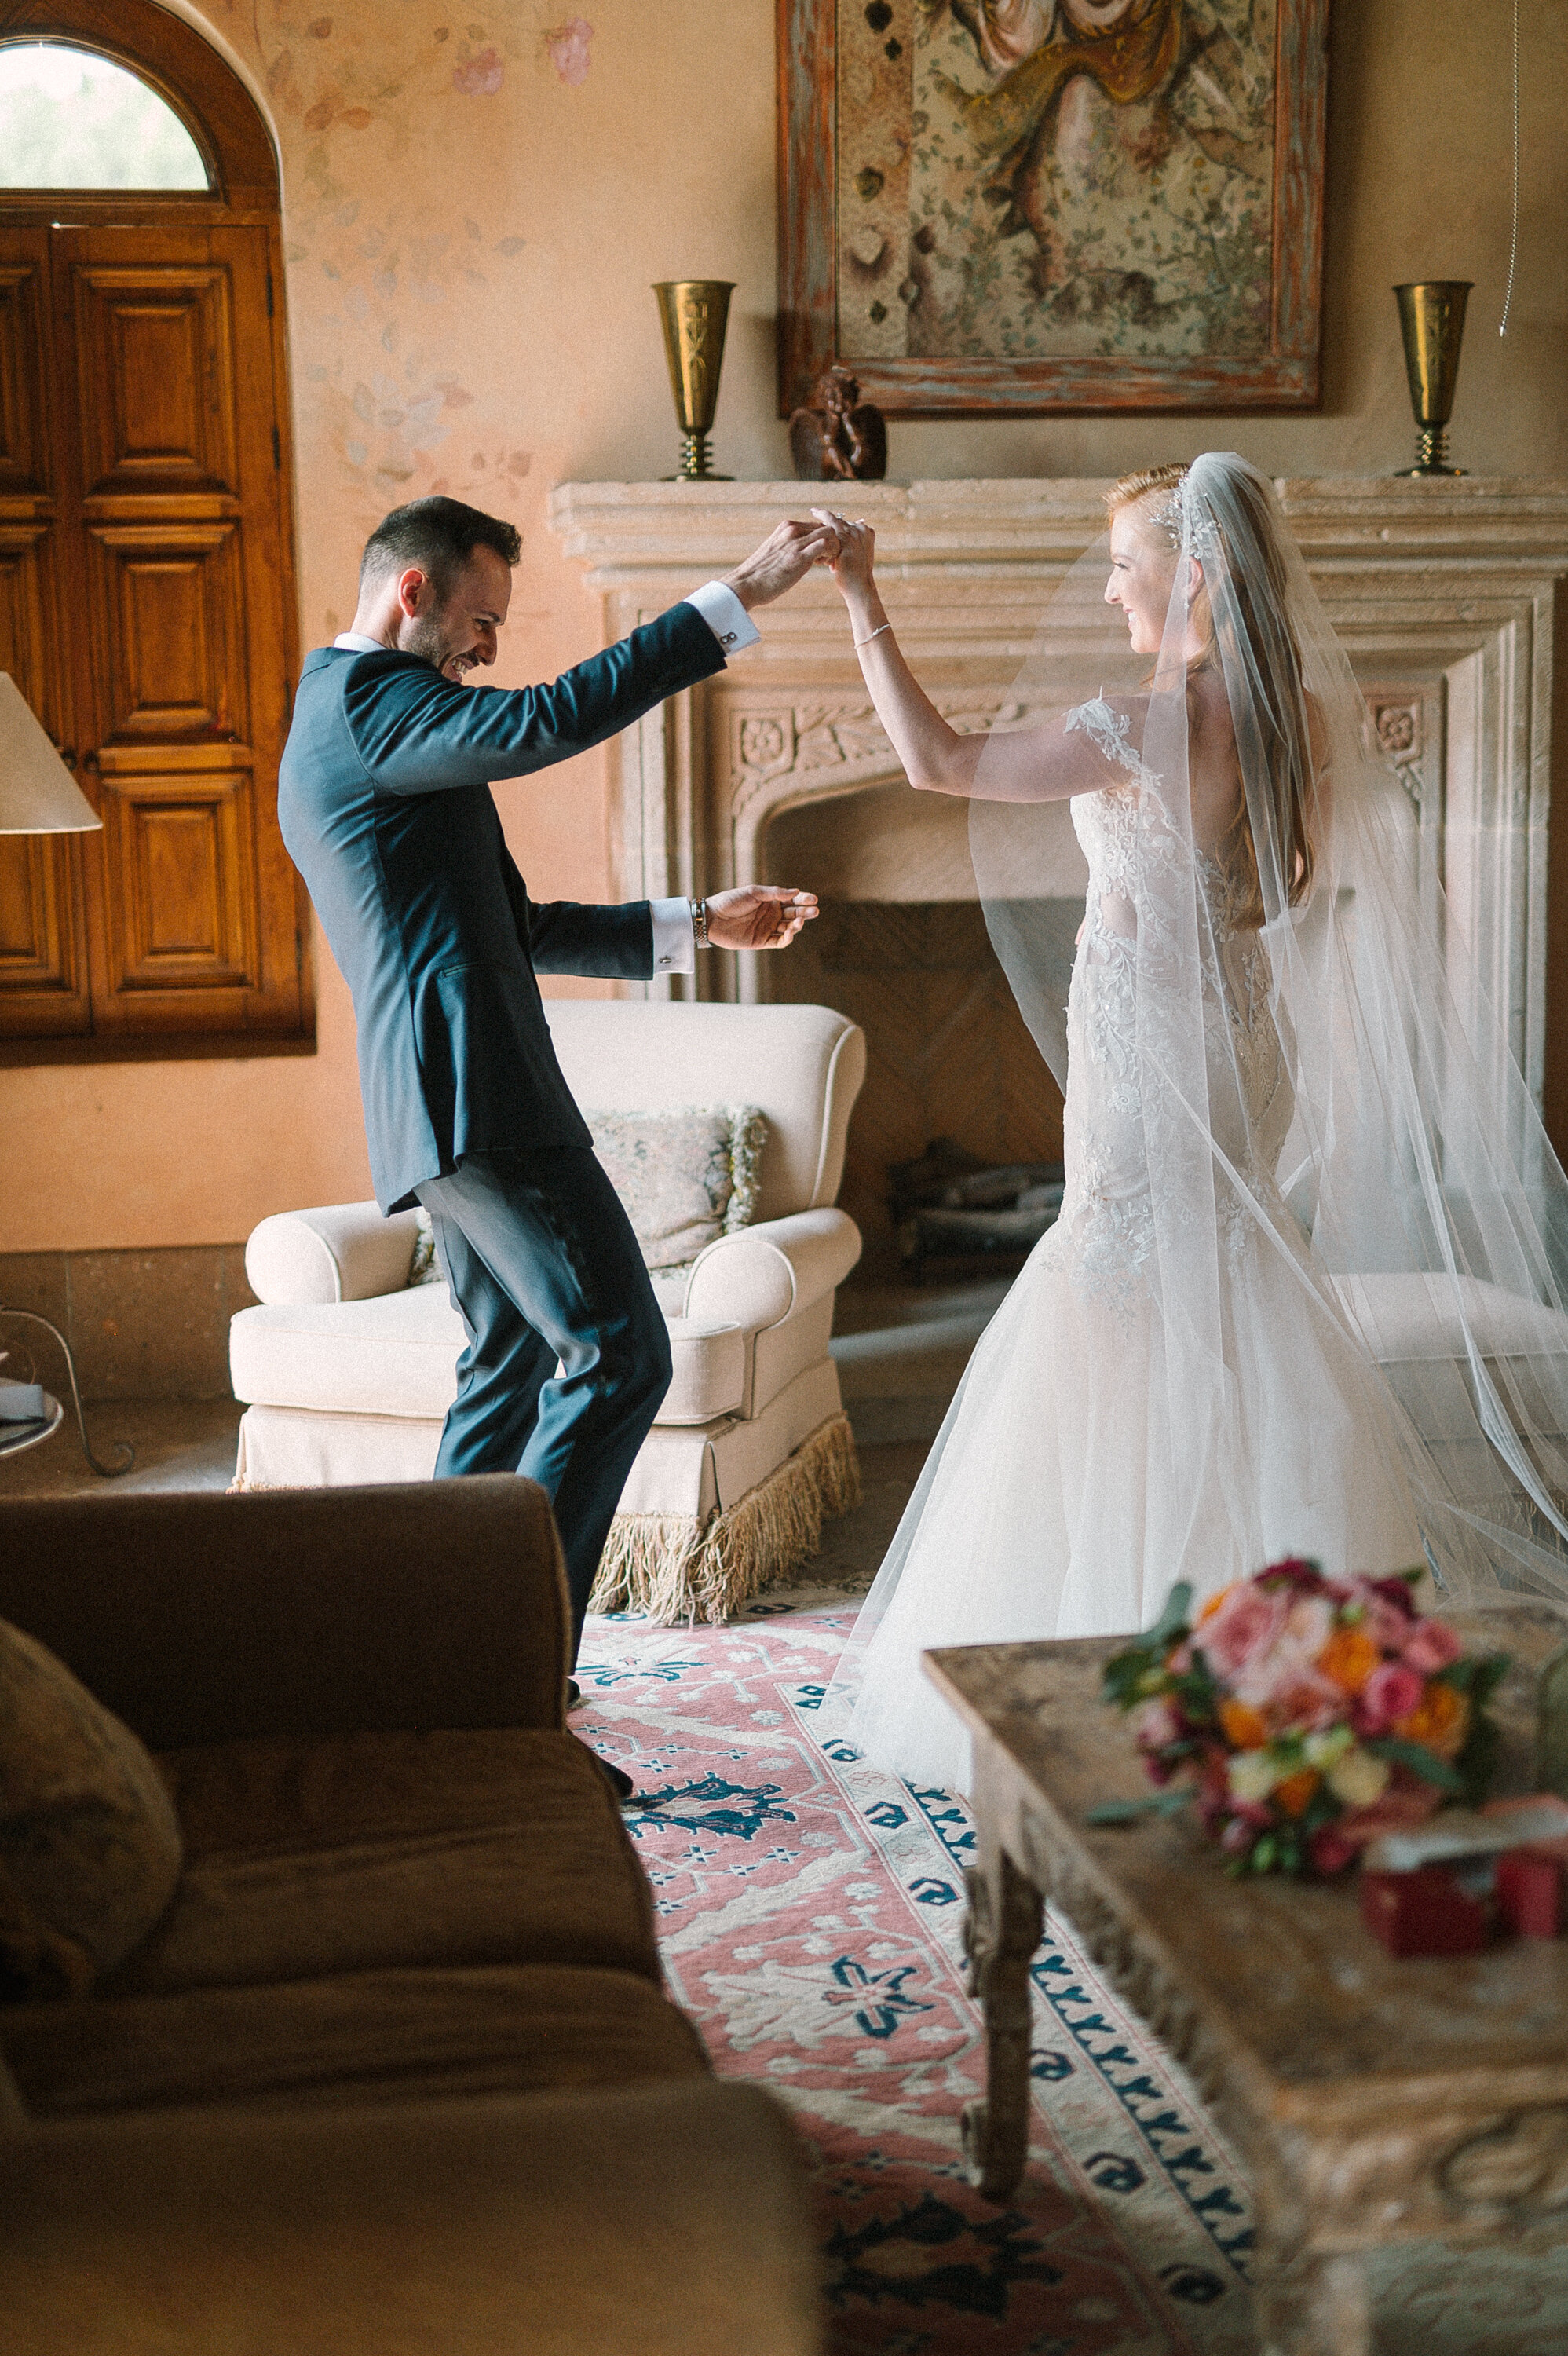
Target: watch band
700,922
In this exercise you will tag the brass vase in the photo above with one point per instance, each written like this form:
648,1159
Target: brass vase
1432,321
694,312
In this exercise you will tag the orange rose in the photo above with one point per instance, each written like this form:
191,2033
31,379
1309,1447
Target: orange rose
1297,1790
1440,1720
1243,1728
1349,1658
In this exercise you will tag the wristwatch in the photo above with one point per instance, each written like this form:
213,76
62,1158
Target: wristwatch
700,922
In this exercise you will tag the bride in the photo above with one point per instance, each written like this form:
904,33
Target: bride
1277,1123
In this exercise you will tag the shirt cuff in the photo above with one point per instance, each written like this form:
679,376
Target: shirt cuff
725,616
675,937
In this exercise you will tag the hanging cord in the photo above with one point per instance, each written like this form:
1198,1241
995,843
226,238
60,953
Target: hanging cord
1513,242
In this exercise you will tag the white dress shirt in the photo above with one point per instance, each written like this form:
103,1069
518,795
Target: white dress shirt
675,937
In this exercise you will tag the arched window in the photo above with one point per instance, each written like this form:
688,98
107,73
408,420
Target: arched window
146,540
71,119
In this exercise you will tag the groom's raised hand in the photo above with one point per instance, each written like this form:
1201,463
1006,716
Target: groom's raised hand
785,557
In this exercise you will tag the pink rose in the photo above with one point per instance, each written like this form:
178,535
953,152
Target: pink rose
1286,1659
1303,1702
1383,1621
1155,1724
1390,1692
1242,1630
1431,1646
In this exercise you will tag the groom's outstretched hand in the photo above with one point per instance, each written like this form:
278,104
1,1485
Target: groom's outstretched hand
758,916
785,557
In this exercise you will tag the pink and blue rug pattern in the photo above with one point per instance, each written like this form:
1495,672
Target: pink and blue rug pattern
811,1912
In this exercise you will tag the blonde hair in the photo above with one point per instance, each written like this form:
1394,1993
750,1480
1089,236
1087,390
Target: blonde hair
1284,721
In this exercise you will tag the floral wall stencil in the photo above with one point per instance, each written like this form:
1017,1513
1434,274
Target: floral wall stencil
567,46
473,219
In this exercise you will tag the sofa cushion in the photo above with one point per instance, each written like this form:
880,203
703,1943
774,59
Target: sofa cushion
90,1847
359,2035
397,1355
371,1851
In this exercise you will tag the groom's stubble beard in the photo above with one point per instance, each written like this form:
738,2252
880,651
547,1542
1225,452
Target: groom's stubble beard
431,637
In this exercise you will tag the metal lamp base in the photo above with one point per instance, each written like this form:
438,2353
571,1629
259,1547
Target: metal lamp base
123,1447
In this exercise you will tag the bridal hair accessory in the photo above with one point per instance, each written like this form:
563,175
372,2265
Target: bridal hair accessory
1305,1717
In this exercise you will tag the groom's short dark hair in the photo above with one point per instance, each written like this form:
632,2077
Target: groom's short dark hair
438,535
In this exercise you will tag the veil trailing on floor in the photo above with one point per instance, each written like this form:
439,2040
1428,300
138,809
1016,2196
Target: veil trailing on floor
1309,1081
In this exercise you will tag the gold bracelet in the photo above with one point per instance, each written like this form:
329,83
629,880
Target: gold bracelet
875,634
700,922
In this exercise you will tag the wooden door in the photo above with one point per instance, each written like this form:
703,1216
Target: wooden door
43,944
144,612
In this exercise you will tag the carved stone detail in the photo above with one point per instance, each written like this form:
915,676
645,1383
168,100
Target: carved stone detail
1399,729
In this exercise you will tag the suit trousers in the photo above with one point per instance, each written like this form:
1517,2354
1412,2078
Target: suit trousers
568,1353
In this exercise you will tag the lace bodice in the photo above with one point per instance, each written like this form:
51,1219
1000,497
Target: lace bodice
1170,1008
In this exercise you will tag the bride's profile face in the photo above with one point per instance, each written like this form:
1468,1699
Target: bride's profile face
1143,569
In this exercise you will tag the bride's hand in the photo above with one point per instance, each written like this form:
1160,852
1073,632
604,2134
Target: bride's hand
851,568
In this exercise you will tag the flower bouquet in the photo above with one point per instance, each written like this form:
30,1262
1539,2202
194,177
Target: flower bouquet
1304,1716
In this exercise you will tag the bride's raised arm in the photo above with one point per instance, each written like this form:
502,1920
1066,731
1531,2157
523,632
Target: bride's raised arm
1046,763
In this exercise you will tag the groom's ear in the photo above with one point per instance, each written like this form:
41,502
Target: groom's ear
416,591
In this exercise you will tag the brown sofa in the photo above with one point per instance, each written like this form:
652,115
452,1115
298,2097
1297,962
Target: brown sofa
408,1975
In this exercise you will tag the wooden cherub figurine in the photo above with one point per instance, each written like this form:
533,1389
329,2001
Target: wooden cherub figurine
843,439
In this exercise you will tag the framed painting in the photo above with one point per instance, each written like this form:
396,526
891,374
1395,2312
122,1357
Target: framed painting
1035,205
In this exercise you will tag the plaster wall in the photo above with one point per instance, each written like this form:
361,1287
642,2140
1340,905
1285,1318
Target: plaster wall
473,211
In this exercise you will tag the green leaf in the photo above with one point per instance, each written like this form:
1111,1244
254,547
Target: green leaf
1172,1620
1478,1761
1129,1812
1478,1675
1420,1762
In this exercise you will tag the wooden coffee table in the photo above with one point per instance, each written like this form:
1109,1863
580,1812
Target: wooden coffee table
1373,2100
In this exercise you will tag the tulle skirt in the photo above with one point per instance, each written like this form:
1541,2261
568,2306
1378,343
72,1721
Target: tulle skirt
1062,1497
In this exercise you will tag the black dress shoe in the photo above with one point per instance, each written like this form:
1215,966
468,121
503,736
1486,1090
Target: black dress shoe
619,1782
573,1693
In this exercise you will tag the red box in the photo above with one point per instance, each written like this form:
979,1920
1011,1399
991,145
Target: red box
1423,1913
1530,1893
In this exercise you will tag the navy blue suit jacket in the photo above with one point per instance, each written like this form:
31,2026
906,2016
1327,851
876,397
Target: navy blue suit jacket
384,799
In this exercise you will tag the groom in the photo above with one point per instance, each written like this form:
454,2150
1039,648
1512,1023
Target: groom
384,799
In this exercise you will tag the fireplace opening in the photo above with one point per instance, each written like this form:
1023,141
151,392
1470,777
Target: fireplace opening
900,947
956,1216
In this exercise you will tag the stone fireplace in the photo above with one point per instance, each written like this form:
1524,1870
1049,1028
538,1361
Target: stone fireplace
1445,593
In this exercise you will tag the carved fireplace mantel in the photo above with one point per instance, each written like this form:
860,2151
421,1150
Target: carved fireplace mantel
1443,592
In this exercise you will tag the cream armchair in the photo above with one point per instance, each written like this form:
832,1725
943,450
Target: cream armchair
346,1370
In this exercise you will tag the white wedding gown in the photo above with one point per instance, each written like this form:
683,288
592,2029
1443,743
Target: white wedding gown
1044,1510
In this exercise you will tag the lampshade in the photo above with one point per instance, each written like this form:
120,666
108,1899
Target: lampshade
38,793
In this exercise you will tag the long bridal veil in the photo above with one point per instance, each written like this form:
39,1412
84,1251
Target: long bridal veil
1388,1175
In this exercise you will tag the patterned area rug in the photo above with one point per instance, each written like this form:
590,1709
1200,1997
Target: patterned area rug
811,1912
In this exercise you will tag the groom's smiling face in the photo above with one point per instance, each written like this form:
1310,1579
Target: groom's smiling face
457,629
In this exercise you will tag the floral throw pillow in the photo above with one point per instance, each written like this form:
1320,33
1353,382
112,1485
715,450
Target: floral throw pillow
686,1175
